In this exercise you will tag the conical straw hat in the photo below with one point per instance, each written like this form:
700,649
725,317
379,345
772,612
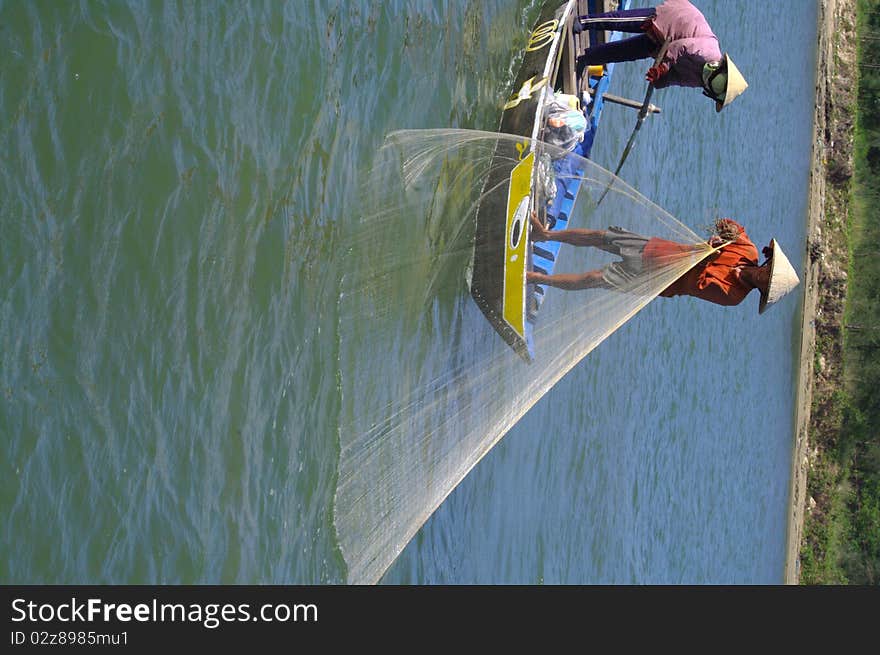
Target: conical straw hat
782,278
736,84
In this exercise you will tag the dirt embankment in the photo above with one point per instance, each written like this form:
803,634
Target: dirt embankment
826,268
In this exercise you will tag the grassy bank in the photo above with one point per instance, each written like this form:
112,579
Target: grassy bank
841,542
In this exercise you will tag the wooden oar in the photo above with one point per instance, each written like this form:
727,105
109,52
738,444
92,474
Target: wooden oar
643,112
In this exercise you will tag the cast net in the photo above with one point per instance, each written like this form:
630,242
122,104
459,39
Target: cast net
428,386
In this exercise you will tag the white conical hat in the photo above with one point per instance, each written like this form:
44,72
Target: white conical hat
736,84
782,277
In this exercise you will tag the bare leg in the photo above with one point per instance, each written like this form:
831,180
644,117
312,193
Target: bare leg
579,237
570,281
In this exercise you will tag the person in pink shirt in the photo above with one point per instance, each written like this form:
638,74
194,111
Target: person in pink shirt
693,57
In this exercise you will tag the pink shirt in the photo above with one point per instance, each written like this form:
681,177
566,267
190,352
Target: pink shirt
693,43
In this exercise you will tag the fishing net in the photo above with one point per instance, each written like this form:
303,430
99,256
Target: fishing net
428,385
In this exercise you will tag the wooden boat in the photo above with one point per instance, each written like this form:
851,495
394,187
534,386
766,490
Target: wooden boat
502,250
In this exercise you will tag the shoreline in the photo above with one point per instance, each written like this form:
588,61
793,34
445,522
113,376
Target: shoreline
824,260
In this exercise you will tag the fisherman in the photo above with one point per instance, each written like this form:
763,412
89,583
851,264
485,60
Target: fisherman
693,57
724,278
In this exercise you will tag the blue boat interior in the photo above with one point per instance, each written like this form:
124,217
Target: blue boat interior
568,173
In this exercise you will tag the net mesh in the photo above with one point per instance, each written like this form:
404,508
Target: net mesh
427,386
